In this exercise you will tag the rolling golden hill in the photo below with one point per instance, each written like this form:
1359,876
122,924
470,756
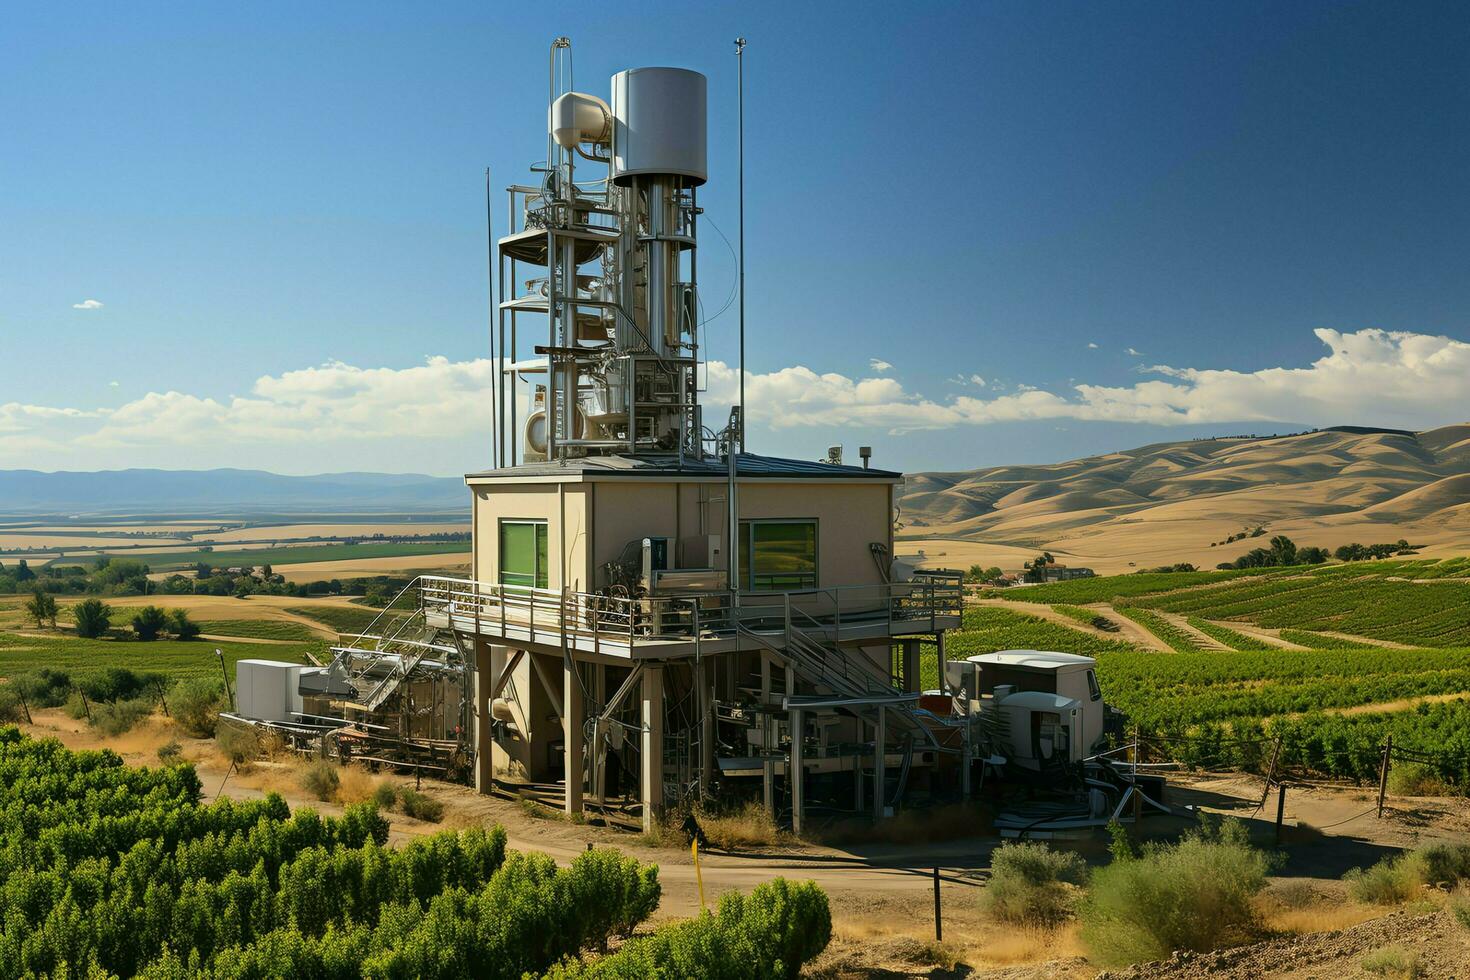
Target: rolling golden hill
1168,502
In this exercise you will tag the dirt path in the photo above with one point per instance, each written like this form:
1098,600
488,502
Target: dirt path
1364,640
1270,636
1129,631
1201,639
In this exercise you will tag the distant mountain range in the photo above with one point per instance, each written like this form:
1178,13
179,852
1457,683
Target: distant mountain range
226,492
1180,501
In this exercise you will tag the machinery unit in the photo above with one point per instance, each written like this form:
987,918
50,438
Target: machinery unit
1038,707
598,276
269,690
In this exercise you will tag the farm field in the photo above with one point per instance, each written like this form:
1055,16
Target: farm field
164,560
194,658
1330,660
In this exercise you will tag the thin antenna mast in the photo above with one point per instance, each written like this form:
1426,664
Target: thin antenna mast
740,101
490,285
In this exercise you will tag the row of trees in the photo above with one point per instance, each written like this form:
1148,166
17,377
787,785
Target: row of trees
93,618
1284,551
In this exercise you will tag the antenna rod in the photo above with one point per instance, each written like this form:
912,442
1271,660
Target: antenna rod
740,101
490,286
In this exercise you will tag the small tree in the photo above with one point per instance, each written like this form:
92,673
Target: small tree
23,572
182,627
42,608
93,617
149,622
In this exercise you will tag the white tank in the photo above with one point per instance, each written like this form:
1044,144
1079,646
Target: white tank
659,124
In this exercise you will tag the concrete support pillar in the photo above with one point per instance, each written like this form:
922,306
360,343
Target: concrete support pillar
796,773
910,661
489,662
573,742
880,739
651,750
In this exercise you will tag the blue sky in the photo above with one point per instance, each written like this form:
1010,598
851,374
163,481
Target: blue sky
279,208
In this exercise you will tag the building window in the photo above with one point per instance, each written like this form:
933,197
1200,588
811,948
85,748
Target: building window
523,553
778,556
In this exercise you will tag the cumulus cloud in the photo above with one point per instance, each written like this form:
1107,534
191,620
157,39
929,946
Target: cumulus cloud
1401,379
879,365
112,384
1091,345
1135,353
87,304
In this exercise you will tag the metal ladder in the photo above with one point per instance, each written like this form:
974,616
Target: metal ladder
382,663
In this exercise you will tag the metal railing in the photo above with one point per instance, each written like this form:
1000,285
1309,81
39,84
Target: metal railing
547,615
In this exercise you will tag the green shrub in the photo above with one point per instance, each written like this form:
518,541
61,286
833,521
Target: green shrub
770,933
1393,961
239,743
181,626
43,687
1460,909
149,621
116,717
420,806
121,684
195,704
385,796
93,617
1029,884
170,753
1193,895
321,779
11,709
1395,880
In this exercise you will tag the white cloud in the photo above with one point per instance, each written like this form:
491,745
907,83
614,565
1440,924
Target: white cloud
87,304
1135,353
977,381
879,365
112,384
337,414
1091,345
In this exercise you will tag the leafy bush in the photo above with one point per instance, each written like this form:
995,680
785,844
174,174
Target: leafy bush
149,621
1193,895
181,626
1029,884
321,780
43,687
115,717
195,704
1460,909
1393,961
11,709
420,806
170,753
769,933
385,796
1395,880
121,684
93,617
239,743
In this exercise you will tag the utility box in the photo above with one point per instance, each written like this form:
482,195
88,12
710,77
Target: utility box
268,690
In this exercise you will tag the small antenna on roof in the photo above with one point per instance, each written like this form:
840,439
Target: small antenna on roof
740,104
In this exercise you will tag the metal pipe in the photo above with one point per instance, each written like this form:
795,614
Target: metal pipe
740,86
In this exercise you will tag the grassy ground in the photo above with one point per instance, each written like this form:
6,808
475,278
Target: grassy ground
343,619
78,656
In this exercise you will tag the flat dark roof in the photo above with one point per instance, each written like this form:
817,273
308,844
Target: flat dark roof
747,465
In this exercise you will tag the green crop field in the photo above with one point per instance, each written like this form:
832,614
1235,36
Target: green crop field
263,629
1331,705
343,619
194,658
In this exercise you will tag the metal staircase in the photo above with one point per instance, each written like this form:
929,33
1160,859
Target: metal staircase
830,667
383,656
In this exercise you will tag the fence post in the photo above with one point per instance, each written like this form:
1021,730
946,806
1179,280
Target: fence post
1383,771
938,919
1271,771
1280,811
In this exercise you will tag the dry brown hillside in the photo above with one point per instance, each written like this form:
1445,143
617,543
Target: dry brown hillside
1166,503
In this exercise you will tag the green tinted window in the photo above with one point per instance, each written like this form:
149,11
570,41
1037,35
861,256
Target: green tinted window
778,555
523,553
